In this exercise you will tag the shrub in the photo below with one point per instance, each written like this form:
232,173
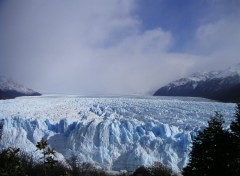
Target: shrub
11,163
158,169
83,169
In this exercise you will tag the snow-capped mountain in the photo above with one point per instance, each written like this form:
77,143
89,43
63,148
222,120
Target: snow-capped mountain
116,133
10,89
218,85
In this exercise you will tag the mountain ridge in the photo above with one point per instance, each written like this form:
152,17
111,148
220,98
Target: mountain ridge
10,89
223,85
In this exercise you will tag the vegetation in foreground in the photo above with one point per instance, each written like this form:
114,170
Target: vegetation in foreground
215,150
13,162
158,169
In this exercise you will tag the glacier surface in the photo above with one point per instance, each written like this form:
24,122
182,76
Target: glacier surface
117,133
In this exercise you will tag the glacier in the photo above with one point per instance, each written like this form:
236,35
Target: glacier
116,133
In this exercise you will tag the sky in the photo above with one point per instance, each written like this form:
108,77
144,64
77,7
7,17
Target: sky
115,46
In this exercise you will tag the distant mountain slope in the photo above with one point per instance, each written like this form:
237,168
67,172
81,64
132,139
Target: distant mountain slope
218,85
10,89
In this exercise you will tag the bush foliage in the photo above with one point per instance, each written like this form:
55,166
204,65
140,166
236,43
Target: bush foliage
13,162
158,169
16,163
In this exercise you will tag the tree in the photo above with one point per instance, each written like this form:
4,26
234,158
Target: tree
141,171
235,131
210,151
235,125
10,163
48,154
158,169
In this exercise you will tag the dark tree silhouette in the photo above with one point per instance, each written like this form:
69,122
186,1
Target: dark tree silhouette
235,125
158,169
235,131
210,151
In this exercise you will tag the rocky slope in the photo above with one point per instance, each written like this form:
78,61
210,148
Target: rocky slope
218,85
10,89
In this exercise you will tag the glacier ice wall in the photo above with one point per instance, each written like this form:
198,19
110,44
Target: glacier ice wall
116,133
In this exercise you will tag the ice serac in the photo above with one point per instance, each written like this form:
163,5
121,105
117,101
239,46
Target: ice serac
218,85
115,133
10,89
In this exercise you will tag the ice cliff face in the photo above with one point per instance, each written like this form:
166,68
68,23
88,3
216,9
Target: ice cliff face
116,133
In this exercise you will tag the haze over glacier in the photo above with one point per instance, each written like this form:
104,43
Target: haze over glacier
117,133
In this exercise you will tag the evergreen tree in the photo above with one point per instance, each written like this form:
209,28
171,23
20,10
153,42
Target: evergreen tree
210,151
235,131
235,125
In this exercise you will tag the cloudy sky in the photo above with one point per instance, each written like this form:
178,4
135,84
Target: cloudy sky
115,46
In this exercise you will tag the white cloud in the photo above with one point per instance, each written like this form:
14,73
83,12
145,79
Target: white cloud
150,41
93,47
218,35
84,46
219,41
